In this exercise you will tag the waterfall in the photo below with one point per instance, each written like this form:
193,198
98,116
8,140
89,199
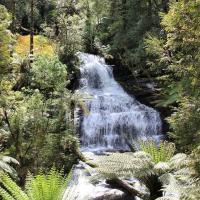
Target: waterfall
114,116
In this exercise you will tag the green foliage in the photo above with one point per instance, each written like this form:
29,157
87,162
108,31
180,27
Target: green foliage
123,27
195,161
46,187
176,56
70,22
5,40
89,32
49,74
44,13
176,176
185,124
11,191
162,152
43,123
38,121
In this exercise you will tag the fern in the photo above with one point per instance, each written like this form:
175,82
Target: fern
191,191
41,187
179,184
5,195
125,165
46,187
11,189
159,153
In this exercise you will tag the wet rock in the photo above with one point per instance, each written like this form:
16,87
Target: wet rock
110,194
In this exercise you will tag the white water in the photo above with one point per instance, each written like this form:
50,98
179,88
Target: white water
114,116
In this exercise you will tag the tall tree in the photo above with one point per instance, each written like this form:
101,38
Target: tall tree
13,28
32,29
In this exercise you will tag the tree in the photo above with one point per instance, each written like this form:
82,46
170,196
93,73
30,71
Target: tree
5,41
175,59
37,119
32,28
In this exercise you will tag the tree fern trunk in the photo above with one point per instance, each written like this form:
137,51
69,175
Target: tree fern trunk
154,186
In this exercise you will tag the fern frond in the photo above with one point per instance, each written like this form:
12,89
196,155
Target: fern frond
46,187
179,161
125,165
172,187
12,187
5,195
161,168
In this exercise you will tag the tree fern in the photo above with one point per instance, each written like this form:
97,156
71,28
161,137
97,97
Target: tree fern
179,184
125,165
172,175
128,165
159,153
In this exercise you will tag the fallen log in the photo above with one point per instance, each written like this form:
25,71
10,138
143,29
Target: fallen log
128,188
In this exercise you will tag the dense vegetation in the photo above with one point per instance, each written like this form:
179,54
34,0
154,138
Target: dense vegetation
155,39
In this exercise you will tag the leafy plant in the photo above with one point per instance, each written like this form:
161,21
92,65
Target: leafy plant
128,165
5,41
49,74
185,127
38,119
175,177
45,187
161,152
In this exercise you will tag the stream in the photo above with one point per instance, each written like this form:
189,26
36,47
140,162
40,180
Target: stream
113,122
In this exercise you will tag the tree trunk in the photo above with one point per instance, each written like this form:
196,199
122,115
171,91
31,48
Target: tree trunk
165,5
13,26
32,30
124,14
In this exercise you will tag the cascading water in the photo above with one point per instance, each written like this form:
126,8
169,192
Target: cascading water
114,117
